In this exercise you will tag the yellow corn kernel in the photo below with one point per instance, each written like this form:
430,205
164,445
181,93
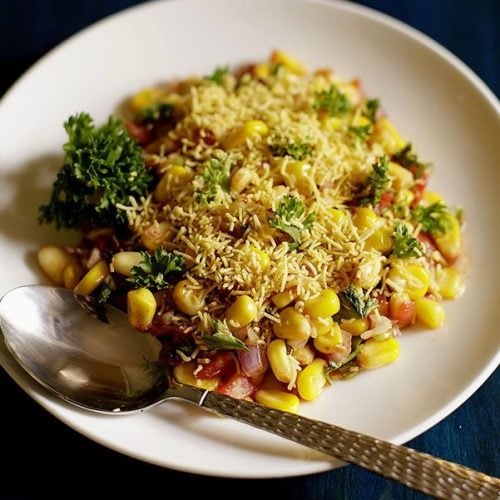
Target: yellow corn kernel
261,258
304,355
240,179
401,177
172,182
279,361
292,325
186,298
241,312
143,98
360,121
450,243
337,215
328,342
369,271
325,304
365,218
405,197
183,373
380,240
156,234
374,353
262,71
53,261
430,312
311,380
431,197
72,275
249,130
329,122
322,325
450,283
123,262
141,308
297,175
413,279
94,277
278,400
386,134
290,63
282,299
355,326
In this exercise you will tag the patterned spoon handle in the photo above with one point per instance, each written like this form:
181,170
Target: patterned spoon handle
417,470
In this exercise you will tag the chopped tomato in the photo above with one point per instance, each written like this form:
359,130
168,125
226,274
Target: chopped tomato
221,365
386,200
419,188
383,305
238,387
428,242
141,133
402,310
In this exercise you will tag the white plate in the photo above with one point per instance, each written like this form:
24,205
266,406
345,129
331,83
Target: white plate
448,113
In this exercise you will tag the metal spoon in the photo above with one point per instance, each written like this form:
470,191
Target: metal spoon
87,354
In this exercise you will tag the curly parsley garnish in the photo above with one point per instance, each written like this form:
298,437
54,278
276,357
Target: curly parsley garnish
288,217
218,75
434,219
297,150
377,183
370,109
155,112
332,100
157,271
405,245
354,304
103,168
362,132
214,176
222,339
407,158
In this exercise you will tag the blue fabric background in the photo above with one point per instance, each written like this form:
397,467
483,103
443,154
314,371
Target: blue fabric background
41,454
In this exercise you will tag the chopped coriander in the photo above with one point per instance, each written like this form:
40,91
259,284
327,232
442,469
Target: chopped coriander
362,132
377,183
370,109
407,158
288,217
297,150
215,174
275,69
104,293
331,100
155,112
434,219
222,339
103,168
405,245
354,304
218,75
156,271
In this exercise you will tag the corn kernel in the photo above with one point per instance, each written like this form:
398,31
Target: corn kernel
450,283
325,304
279,361
186,298
282,299
401,177
429,312
337,215
155,234
374,354
143,98
405,197
322,325
241,179
290,63
141,308
241,312
311,380
53,261
369,271
411,278
297,175
380,240
123,262
249,130
94,277
360,121
387,135
292,325
328,342
72,275
261,258
355,326
262,71
172,182
431,197
183,373
450,243
365,218
278,400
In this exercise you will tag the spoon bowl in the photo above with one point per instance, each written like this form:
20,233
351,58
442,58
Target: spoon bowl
87,354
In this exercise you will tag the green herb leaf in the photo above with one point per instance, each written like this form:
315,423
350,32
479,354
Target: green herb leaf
104,293
103,168
362,132
155,112
331,100
288,217
434,219
215,174
407,158
157,271
354,304
405,245
222,339
371,108
377,183
297,150
219,75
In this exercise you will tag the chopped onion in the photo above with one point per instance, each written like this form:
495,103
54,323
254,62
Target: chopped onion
382,325
254,361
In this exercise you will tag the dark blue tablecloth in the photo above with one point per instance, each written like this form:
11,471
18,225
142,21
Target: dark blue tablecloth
40,454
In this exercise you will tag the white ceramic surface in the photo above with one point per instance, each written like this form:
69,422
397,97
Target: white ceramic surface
446,111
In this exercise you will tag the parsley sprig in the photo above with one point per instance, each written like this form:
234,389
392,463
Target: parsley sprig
354,304
407,158
370,109
332,100
377,183
215,175
219,75
405,245
103,168
434,219
289,218
298,150
155,112
222,339
157,271
362,132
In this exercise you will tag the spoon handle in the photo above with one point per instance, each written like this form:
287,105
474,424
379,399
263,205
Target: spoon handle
417,470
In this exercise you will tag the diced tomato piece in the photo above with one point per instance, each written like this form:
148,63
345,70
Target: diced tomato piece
428,242
402,311
141,133
238,387
420,187
386,200
383,305
221,365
